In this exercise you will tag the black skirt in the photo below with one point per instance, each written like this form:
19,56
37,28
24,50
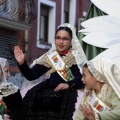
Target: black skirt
43,103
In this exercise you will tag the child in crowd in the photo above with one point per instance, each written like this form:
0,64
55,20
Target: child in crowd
102,96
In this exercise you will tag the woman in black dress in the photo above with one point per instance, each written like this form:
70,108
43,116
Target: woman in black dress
56,96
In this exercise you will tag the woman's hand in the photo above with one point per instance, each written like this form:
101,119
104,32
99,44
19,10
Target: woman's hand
61,86
19,56
87,111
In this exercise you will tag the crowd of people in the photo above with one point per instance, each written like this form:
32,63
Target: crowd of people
68,76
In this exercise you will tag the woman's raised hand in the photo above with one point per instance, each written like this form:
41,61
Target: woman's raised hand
19,56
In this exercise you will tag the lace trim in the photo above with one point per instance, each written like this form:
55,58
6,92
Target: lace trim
44,61
95,73
69,59
67,107
7,89
105,94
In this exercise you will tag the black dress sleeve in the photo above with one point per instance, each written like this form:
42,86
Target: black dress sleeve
14,104
76,83
32,73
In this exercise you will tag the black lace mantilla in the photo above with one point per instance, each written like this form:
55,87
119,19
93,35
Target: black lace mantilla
43,103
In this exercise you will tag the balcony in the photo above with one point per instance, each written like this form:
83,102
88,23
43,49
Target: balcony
17,14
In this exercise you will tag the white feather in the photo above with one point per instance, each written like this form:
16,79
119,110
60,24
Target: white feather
111,7
101,21
102,40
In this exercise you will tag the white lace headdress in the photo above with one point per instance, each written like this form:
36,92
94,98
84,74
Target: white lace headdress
76,49
106,68
6,88
3,63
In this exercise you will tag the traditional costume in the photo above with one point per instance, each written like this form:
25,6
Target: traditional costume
105,68
6,89
104,32
43,103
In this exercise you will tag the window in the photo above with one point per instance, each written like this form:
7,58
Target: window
46,23
66,11
7,44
